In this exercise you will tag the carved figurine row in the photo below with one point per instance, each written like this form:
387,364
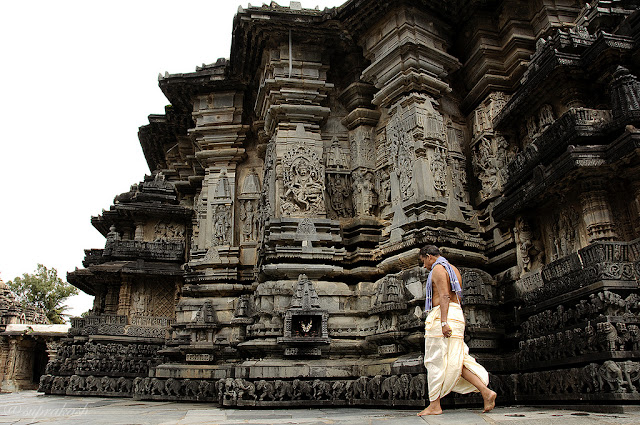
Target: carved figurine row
609,377
90,384
604,303
105,365
189,389
605,336
139,350
558,286
394,387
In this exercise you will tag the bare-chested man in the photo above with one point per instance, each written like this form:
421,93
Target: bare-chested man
447,359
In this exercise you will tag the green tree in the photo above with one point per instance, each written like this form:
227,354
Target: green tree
43,289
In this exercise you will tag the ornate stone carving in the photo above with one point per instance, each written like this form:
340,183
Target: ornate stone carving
222,225
249,219
249,213
303,178
491,156
383,187
459,177
339,187
167,231
362,148
364,195
439,170
530,251
564,231
336,157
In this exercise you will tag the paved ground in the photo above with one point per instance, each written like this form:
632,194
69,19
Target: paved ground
30,407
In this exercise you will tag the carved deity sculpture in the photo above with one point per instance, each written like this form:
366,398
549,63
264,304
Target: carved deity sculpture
221,234
564,233
459,175
491,157
249,217
401,153
363,188
439,170
336,159
545,117
383,187
303,182
339,188
529,249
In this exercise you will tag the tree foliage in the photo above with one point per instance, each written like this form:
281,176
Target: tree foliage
43,289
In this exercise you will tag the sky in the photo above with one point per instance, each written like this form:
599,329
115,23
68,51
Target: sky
77,79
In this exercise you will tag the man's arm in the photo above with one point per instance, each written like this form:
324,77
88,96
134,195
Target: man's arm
441,282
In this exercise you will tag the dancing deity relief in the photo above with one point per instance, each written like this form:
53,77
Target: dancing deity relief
303,182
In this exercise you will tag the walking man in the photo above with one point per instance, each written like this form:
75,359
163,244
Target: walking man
449,365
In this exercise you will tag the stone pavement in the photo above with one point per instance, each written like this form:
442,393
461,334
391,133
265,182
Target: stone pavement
30,407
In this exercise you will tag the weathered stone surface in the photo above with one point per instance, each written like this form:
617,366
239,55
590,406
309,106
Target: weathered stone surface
271,259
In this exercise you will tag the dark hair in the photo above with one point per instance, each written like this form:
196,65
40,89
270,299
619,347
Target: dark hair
429,250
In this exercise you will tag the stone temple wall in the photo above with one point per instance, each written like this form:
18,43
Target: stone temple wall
271,258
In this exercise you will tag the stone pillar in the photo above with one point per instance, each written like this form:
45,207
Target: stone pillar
139,232
220,134
367,185
596,211
289,101
124,297
4,355
19,365
410,75
111,299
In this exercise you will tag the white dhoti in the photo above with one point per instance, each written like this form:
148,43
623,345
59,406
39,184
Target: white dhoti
444,358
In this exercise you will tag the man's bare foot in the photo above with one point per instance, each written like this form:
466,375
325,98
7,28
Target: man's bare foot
490,402
431,411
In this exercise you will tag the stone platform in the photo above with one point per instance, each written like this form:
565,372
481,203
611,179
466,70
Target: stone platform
30,407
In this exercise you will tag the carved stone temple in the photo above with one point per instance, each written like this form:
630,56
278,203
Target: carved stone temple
27,342
271,257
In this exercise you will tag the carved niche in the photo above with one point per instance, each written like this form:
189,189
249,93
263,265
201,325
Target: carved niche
221,231
564,233
439,170
364,191
249,213
401,152
490,159
339,186
383,187
529,248
414,130
362,148
221,213
303,179
305,322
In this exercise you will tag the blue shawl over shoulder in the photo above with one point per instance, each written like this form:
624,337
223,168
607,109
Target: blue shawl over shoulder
453,278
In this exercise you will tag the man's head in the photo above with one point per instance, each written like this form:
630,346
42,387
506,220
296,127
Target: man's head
428,255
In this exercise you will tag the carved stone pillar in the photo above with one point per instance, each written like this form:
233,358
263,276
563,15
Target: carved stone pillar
139,232
625,93
4,354
596,212
361,122
111,299
220,134
124,297
19,365
290,101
